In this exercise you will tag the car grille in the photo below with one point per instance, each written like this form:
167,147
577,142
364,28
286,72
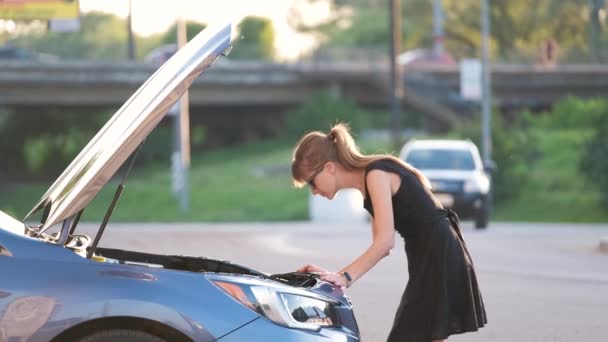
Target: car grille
442,185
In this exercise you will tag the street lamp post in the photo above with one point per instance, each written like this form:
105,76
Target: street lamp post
438,36
130,38
485,83
396,83
486,98
595,31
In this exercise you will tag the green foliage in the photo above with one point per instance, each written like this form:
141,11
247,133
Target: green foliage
4,118
514,150
43,144
101,36
222,181
573,113
321,111
245,183
568,176
157,147
255,41
367,28
198,135
192,29
594,161
51,152
516,32
161,141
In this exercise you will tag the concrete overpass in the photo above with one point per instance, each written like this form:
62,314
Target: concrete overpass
253,91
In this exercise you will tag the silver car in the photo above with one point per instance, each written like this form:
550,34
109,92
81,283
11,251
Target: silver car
457,175
58,285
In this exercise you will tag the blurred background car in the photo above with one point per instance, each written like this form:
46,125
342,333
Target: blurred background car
10,52
160,54
456,173
423,57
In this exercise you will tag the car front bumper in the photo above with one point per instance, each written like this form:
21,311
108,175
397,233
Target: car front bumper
465,204
264,330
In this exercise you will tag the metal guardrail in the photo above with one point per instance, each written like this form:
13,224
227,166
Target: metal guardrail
260,81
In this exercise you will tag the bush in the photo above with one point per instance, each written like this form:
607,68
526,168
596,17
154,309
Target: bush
321,111
40,145
594,161
572,113
513,151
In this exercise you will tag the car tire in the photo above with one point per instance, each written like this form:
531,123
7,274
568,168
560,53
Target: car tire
482,217
121,335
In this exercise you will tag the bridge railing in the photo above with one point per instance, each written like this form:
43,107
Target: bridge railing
544,54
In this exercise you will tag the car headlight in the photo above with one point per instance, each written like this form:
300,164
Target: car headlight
289,309
477,185
472,185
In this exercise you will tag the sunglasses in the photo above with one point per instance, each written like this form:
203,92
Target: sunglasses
311,179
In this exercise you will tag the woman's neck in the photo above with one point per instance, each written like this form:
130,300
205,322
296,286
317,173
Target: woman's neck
353,179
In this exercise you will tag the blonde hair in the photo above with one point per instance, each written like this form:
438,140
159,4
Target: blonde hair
317,148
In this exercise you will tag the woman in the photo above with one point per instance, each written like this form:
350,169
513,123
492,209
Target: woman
442,296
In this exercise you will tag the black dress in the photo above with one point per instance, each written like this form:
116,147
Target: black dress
442,297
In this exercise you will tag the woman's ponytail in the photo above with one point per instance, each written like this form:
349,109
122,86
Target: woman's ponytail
345,151
338,145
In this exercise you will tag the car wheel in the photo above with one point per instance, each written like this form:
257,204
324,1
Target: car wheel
482,217
121,335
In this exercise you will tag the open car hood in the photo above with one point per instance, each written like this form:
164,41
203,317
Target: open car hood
129,126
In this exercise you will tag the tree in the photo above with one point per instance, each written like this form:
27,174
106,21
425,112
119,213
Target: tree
192,29
593,163
10,29
101,36
255,40
516,31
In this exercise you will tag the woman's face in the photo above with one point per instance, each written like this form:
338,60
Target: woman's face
322,181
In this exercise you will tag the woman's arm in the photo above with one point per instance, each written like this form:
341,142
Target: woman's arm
383,230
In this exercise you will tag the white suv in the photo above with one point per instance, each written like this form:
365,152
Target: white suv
457,175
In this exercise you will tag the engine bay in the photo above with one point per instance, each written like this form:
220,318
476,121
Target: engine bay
200,264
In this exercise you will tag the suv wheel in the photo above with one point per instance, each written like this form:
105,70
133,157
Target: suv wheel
121,335
482,216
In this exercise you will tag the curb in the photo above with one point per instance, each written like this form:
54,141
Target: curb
603,247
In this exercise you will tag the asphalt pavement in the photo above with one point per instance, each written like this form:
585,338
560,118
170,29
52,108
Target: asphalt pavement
540,282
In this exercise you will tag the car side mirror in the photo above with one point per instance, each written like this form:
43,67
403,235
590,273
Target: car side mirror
489,166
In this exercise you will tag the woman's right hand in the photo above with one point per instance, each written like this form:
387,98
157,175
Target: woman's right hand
311,269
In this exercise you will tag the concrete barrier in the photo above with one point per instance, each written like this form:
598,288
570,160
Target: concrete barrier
347,206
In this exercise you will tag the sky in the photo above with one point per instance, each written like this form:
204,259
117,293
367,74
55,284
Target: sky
153,16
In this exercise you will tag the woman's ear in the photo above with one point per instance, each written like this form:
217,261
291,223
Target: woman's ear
331,167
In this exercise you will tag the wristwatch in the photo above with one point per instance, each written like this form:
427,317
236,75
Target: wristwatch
348,278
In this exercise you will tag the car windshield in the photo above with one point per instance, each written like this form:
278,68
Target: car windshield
441,159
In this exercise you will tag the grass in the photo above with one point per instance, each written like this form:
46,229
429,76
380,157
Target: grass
556,192
252,183
225,185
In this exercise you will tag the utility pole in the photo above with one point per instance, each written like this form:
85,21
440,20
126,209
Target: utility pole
486,88
595,30
130,38
486,95
438,36
396,83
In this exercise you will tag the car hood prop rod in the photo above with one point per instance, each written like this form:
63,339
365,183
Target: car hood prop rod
117,194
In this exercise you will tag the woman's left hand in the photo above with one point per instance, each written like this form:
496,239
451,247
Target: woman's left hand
334,278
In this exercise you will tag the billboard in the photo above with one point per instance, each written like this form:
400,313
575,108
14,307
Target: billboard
39,9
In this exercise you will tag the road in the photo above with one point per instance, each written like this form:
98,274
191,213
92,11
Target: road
540,282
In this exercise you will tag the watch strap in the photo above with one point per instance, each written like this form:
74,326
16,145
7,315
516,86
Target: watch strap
348,278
